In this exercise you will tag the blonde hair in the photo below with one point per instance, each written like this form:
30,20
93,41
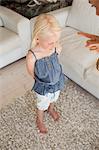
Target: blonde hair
45,24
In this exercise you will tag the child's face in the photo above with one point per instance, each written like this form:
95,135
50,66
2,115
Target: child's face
50,41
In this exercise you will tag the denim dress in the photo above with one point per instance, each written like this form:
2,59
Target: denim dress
48,74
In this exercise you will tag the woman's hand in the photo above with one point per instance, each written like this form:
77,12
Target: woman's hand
93,43
90,42
90,36
94,47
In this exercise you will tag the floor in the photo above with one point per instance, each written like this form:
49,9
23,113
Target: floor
14,81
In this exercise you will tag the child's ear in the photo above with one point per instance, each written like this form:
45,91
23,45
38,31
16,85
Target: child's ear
37,40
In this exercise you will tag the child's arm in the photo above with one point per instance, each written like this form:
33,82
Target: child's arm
30,64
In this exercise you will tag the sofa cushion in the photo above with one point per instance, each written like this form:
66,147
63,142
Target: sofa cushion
74,53
92,77
83,17
8,40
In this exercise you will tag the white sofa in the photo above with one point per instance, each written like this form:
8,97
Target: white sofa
14,36
78,61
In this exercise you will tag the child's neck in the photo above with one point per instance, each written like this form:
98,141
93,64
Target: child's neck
44,49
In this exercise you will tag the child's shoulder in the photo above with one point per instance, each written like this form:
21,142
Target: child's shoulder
29,55
58,48
35,49
33,53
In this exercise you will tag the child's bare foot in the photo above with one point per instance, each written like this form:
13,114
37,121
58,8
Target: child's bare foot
54,114
41,126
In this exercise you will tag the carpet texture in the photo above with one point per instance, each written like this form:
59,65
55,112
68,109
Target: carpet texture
77,129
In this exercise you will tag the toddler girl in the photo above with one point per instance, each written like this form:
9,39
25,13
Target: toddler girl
43,65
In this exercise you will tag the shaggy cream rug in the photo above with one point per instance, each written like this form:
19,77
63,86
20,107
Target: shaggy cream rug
77,129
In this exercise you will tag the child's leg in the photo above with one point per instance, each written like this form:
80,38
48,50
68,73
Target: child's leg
53,113
51,109
39,121
42,105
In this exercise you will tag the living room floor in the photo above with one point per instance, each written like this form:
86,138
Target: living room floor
14,81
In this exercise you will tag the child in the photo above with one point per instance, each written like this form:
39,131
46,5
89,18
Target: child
43,65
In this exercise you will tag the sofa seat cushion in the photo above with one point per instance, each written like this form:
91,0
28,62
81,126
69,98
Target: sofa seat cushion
83,17
74,53
9,40
92,77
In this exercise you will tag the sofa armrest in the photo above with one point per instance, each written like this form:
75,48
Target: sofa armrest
61,15
1,22
16,23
